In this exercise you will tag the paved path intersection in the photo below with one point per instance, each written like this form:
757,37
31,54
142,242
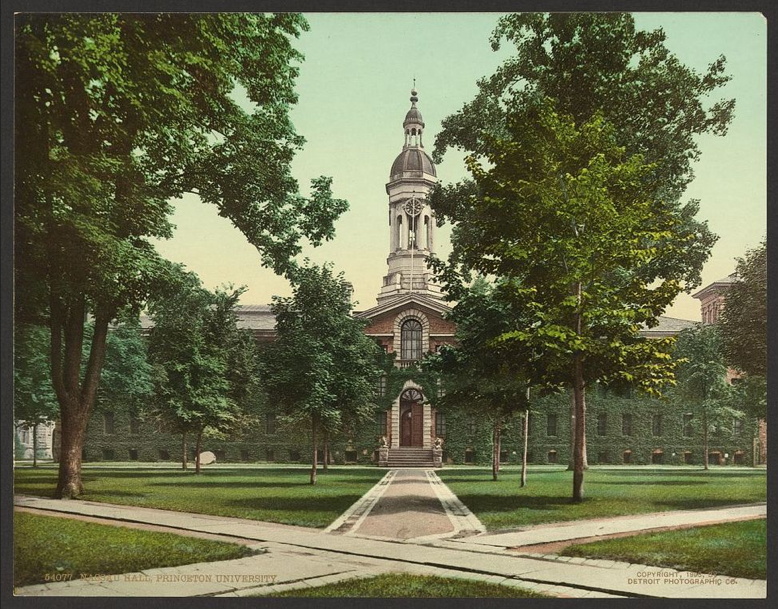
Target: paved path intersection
407,508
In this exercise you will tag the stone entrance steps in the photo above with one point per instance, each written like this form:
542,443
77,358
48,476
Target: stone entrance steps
407,456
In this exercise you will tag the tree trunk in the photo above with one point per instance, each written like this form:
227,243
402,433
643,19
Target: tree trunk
705,439
75,396
526,442
314,460
495,449
326,442
73,423
35,445
571,460
184,457
579,454
198,447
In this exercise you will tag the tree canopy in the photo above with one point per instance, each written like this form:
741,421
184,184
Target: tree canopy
117,114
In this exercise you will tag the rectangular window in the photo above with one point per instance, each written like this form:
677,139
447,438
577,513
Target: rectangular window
294,455
270,455
602,424
108,454
134,425
380,420
133,454
626,424
737,426
270,424
410,340
108,423
656,425
688,428
350,456
244,455
380,387
551,425
553,457
164,455
469,455
440,425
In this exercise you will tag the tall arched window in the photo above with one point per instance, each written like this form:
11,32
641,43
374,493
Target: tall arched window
410,340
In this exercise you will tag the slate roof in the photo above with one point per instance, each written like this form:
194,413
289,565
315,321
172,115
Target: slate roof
668,326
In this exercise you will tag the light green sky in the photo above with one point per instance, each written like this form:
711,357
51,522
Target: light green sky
354,88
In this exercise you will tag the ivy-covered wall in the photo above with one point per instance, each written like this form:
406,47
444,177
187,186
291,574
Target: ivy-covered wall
619,429
655,431
114,434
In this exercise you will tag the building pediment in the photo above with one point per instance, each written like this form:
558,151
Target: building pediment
405,301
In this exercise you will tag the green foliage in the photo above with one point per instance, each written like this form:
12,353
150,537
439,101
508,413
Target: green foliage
119,114
45,546
207,365
598,63
321,368
402,585
702,380
34,398
736,549
127,374
477,373
579,149
743,324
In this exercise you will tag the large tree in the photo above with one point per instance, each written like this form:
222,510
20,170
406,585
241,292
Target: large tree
579,149
117,114
207,365
321,370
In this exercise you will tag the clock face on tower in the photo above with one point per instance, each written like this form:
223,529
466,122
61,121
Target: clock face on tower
413,206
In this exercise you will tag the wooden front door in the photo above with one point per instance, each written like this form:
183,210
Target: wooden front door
411,424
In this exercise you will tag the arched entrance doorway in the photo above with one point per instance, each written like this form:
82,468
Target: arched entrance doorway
411,418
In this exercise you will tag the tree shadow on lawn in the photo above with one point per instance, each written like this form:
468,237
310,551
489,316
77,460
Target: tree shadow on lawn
486,476
716,474
651,482
147,474
502,503
274,503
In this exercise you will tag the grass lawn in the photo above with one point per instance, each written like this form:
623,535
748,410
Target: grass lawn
607,492
270,494
47,549
737,549
397,585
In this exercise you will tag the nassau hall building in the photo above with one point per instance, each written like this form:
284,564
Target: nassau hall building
409,320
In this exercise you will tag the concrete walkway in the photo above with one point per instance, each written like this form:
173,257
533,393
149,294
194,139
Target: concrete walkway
408,505
298,557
